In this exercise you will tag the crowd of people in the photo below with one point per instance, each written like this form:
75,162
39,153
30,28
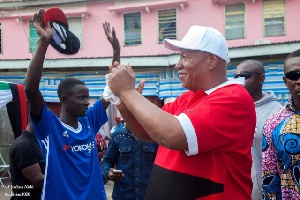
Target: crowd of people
221,140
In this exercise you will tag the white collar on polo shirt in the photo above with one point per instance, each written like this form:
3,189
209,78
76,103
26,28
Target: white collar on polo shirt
239,81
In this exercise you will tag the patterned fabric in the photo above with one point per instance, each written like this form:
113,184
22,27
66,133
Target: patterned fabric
281,153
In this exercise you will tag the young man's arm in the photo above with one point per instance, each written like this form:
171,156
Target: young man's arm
113,40
35,69
131,122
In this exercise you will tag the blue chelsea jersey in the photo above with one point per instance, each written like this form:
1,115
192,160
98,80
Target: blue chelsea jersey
72,168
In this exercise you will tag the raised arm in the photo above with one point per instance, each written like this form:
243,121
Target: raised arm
113,40
131,121
35,69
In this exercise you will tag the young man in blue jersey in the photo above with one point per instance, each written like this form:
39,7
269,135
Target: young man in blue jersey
72,168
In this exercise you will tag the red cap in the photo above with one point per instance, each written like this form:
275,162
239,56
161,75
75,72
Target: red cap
55,14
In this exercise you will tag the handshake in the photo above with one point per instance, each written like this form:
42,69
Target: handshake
120,79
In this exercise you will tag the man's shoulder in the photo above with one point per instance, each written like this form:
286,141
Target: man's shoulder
47,115
22,145
274,105
268,107
23,139
232,92
277,117
227,86
281,113
230,89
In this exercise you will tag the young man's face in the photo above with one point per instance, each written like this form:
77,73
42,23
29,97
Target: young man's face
77,100
292,65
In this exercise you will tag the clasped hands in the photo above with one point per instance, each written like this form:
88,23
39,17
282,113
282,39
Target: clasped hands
122,80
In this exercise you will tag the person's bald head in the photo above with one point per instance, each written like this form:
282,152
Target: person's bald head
252,66
254,73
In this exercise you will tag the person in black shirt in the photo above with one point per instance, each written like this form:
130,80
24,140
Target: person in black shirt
27,166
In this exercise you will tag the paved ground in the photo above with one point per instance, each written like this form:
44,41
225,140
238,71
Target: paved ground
5,190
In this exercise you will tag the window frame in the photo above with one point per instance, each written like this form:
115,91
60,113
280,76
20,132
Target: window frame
277,23
161,38
134,43
235,26
80,29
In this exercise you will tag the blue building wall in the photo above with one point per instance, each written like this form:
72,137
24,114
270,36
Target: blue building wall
162,82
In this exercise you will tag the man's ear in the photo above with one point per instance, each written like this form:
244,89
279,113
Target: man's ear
284,80
261,79
213,61
63,98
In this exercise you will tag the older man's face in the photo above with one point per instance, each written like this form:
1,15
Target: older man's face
191,68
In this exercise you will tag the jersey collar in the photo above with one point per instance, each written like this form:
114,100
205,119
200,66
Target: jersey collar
239,81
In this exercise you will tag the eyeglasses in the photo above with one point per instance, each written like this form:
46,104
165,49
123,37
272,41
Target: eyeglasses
292,75
246,75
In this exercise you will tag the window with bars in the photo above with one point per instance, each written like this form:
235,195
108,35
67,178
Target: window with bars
235,21
167,24
132,28
274,17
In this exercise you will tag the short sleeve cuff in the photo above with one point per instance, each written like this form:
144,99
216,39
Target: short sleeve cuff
190,133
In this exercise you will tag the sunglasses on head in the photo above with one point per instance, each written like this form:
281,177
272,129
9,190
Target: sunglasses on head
246,75
292,75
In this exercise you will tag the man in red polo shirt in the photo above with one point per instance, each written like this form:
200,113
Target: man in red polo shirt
205,135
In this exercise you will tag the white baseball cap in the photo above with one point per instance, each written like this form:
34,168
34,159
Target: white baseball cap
201,38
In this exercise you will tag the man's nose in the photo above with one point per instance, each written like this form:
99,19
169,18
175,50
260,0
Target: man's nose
86,101
178,65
